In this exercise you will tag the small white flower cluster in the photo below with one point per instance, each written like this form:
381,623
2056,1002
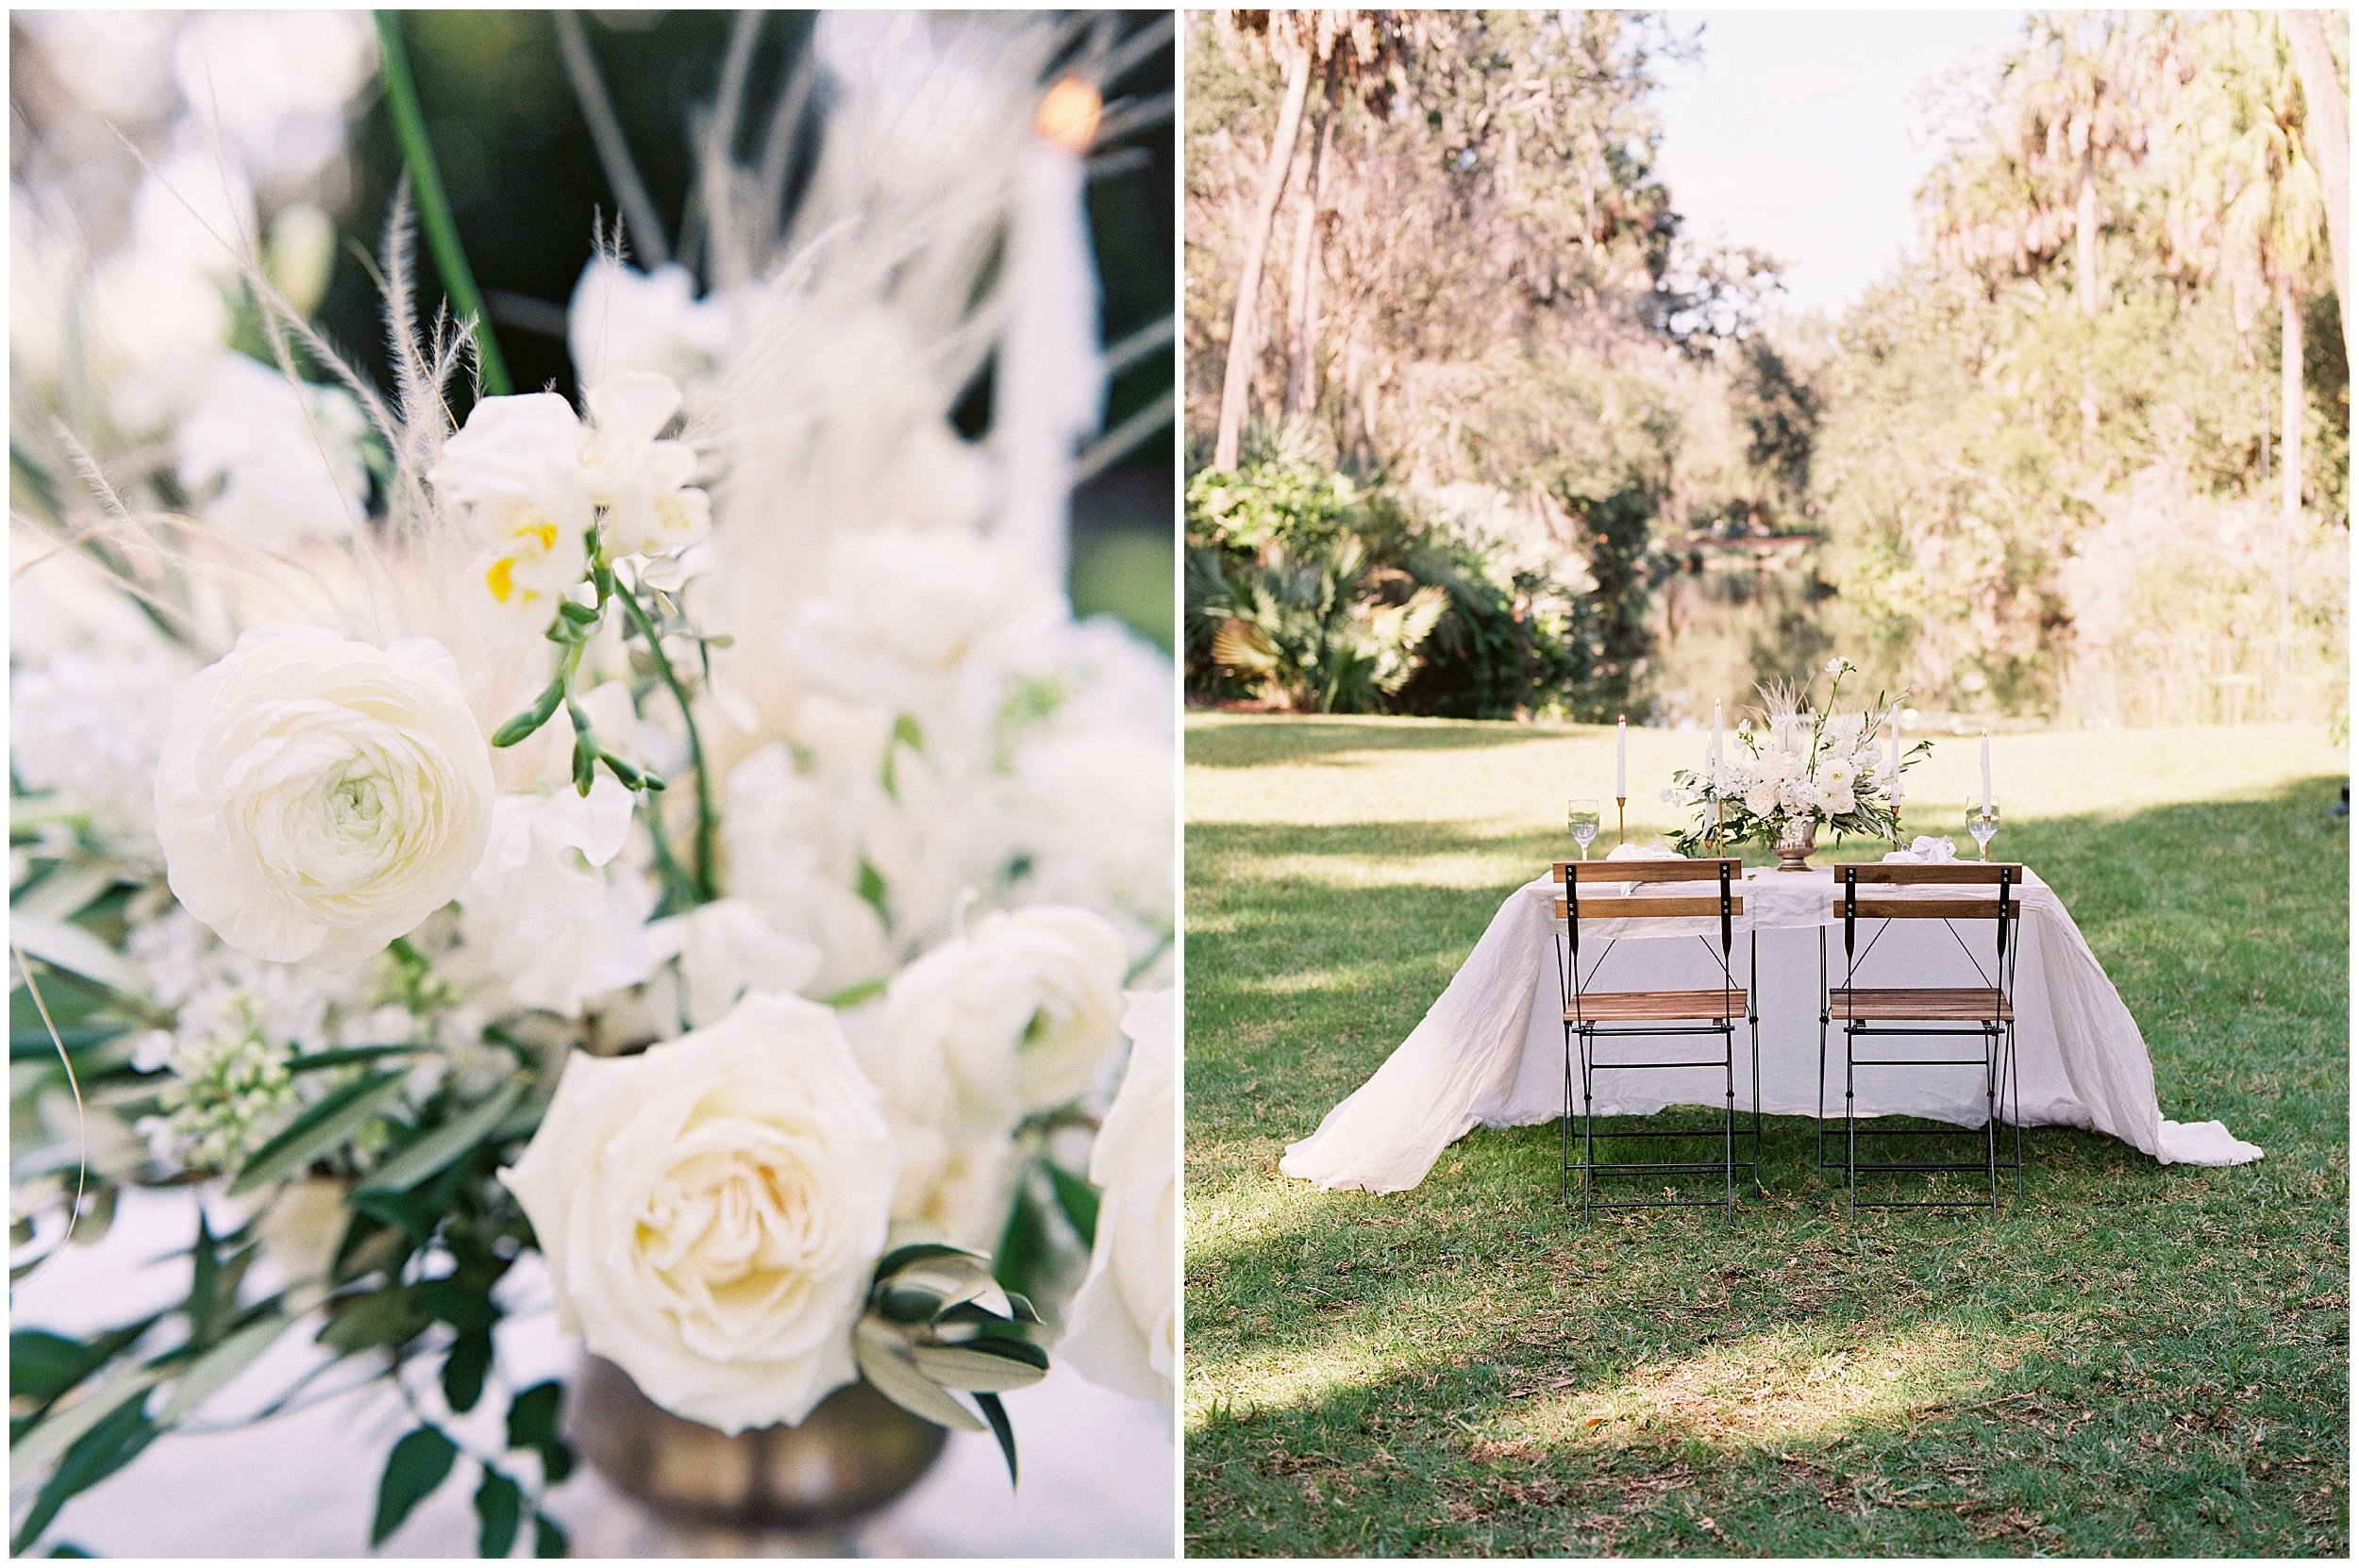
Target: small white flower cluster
240,1024
85,726
230,1091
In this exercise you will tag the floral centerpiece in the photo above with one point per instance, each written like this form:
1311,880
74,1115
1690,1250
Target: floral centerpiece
683,843
1803,766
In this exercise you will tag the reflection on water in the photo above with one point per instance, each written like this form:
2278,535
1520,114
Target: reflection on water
1720,630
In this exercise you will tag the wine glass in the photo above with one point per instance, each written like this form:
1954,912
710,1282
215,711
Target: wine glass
1581,817
1981,819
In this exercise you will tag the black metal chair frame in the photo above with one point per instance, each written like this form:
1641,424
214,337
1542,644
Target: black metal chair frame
1998,1058
1582,1038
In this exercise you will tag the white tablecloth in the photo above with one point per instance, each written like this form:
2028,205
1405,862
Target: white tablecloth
1491,1051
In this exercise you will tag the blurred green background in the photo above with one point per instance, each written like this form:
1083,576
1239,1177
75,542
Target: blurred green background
526,187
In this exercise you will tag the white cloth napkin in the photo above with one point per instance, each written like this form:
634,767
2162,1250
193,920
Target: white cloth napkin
1658,850
1925,850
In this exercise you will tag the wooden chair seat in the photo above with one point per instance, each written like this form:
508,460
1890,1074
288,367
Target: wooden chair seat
1656,1005
1950,1005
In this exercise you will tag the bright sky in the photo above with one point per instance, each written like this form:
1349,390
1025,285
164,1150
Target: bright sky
1802,133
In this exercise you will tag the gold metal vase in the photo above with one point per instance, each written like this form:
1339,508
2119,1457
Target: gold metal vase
775,1491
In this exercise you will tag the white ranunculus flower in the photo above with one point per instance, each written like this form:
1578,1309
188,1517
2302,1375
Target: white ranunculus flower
711,1211
1020,1016
1124,1332
1836,773
318,797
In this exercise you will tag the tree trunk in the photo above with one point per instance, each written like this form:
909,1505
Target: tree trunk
1302,395
2326,125
1245,328
2085,279
2084,236
2289,397
2290,455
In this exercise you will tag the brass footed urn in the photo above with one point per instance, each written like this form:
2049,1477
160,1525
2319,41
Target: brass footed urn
1795,843
935,1320
852,1455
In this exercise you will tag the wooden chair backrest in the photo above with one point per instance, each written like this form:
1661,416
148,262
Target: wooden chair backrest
1645,871
1647,906
2004,878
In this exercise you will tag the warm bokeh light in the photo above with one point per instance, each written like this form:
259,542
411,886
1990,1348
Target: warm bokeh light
1068,114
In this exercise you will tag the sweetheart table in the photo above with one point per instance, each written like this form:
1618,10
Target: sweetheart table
1491,1051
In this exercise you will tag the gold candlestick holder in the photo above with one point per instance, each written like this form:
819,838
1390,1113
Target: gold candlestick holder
1621,828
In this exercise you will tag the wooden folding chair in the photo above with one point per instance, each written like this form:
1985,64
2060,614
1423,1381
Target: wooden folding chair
1987,892
1592,1018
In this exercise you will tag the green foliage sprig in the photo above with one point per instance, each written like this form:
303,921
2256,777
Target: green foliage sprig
938,1321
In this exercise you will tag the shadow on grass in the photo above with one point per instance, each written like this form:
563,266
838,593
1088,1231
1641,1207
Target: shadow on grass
1252,742
2134,1359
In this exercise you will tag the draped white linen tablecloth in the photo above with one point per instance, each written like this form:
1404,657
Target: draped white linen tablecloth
1491,1051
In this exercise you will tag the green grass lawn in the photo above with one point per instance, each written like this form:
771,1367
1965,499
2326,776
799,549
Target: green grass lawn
2135,1359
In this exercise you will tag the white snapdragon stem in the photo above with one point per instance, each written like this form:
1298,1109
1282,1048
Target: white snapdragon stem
1050,392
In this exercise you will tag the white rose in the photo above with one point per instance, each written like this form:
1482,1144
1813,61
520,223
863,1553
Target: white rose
1125,1326
318,797
711,1211
1836,773
1761,798
1837,802
1020,1016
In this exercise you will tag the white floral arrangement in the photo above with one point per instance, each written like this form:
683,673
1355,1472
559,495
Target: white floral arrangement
1803,766
686,837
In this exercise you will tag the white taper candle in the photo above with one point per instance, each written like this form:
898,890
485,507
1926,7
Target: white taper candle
1986,794
1621,758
